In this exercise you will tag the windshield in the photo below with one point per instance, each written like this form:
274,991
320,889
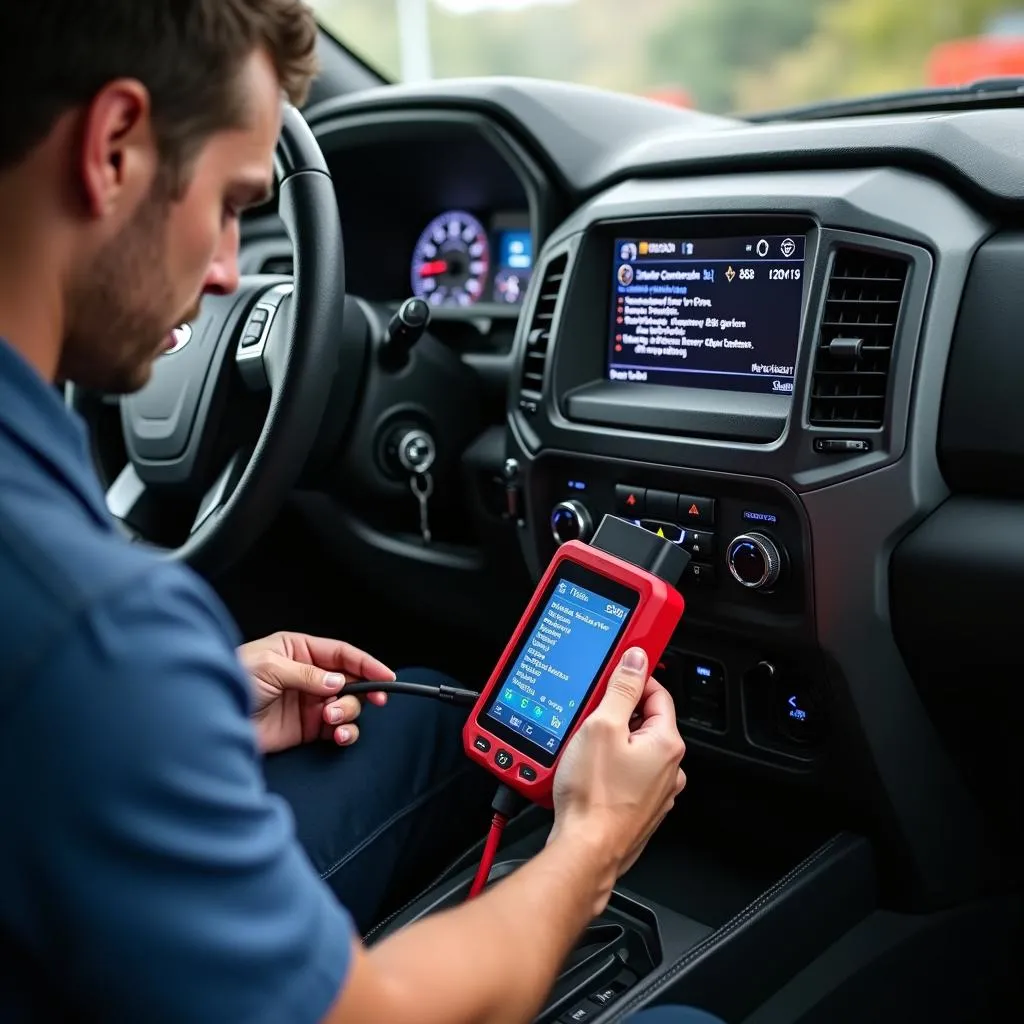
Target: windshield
721,56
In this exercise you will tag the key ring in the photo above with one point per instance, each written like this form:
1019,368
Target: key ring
422,486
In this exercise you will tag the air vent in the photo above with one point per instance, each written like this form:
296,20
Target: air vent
539,336
854,354
278,265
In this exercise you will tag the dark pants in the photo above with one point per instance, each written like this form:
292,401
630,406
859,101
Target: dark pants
382,818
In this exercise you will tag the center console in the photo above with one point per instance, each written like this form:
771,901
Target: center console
683,926
699,355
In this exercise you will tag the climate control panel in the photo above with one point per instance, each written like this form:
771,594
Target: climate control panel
745,538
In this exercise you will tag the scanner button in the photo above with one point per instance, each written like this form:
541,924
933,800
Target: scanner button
503,759
482,744
527,773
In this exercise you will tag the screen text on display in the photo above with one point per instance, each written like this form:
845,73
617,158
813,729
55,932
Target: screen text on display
543,692
721,313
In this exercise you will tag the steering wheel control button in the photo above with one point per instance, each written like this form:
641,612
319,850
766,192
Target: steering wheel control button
661,505
570,520
799,715
842,445
482,743
701,573
701,545
255,327
527,773
503,759
693,511
630,502
253,343
754,561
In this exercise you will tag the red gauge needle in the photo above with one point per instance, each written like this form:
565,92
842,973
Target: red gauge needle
434,268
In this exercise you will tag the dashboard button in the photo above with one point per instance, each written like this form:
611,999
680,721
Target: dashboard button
798,710
527,773
704,693
630,502
701,545
842,445
694,511
670,531
503,759
700,573
570,520
754,561
580,1013
662,505
481,743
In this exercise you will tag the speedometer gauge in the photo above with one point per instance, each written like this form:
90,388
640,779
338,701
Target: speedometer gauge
451,260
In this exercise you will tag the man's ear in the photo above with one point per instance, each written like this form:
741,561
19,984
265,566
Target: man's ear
118,149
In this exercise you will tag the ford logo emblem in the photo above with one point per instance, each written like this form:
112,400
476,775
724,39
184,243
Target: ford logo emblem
182,336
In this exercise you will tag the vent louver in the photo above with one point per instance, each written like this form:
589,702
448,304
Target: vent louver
278,265
855,344
539,335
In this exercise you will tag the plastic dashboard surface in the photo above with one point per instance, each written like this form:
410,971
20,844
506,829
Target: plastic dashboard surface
589,139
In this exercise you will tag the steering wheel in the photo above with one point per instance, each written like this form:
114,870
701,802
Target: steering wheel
273,344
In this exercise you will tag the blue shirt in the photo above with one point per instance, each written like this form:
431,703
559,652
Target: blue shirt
145,872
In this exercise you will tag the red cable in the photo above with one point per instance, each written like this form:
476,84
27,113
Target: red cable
498,823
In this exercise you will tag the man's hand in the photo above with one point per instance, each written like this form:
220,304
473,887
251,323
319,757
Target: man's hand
297,685
619,775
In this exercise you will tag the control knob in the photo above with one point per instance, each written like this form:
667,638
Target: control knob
754,561
570,520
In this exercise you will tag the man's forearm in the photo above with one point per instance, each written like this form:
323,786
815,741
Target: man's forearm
497,957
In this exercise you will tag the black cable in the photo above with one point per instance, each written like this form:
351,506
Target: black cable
447,694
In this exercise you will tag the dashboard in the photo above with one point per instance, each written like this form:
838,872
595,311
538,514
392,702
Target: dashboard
439,215
787,348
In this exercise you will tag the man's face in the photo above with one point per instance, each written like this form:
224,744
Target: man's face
150,277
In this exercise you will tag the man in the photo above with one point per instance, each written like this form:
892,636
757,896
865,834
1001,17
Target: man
147,873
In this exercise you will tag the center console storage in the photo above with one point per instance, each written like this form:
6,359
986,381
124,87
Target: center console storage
684,924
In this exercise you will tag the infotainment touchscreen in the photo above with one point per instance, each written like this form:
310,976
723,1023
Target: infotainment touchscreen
718,313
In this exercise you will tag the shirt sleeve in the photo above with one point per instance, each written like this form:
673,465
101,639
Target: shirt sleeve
165,882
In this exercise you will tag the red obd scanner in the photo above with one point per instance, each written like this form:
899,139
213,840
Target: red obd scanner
594,602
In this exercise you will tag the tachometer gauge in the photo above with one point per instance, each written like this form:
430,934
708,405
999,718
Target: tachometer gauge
451,260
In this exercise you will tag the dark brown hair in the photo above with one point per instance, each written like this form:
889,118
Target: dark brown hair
56,55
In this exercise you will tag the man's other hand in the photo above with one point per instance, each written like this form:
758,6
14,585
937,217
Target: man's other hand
298,685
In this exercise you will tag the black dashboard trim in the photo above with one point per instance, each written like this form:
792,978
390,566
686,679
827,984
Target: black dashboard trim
543,206
659,408
588,139
981,439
